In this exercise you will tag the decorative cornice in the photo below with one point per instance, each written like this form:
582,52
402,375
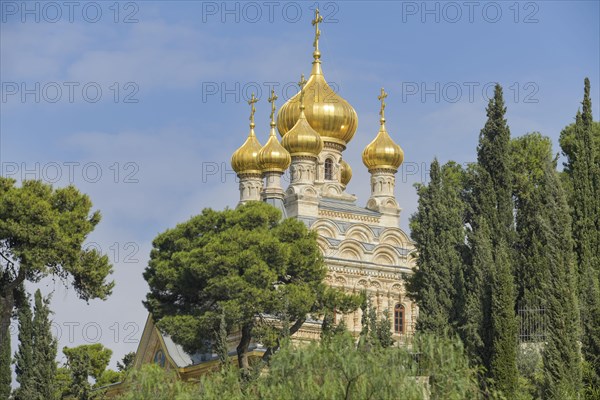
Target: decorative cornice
245,175
383,170
395,274
304,157
333,145
348,216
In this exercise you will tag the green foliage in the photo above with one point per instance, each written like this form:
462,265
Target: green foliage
438,230
474,292
246,263
42,231
36,367
531,369
85,362
108,377
520,252
444,361
331,369
580,144
44,350
568,143
153,382
24,362
530,155
337,369
546,275
5,371
35,360
562,357
591,382
221,344
127,362
63,382
376,332
491,330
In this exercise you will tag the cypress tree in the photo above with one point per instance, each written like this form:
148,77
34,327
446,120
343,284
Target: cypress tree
44,350
492,238
24,363
562,358
585,173
438,230
473,293
529,156
5,360
545,268
221,344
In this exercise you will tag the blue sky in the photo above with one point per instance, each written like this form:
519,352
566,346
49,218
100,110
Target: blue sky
153,148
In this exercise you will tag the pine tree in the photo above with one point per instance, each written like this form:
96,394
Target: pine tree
24,363
127,362
44,350
492,259
438,230
585,173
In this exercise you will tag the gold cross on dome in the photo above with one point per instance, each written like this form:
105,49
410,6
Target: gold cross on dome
251,102
272,101
381,98
318,19
301,84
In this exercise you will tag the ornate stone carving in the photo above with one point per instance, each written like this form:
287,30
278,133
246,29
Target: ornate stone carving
340,280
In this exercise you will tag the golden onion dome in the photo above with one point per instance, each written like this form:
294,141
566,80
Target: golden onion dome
382,152
302,139
273,157
345,173
326,111
245,159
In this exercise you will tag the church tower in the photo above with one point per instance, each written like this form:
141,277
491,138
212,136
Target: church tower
363,247
304,145
330,115
383,157
273,161
244,162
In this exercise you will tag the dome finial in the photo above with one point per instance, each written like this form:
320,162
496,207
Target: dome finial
318,19
244,159
273,157
382,153
381,98
301,84
272,101
251,102
327,112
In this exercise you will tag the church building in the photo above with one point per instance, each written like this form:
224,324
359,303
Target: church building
363,246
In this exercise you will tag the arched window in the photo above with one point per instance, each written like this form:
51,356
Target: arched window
329,169
399,318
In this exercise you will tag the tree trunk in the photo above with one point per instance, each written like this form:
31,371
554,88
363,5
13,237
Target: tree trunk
293,329
242,348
